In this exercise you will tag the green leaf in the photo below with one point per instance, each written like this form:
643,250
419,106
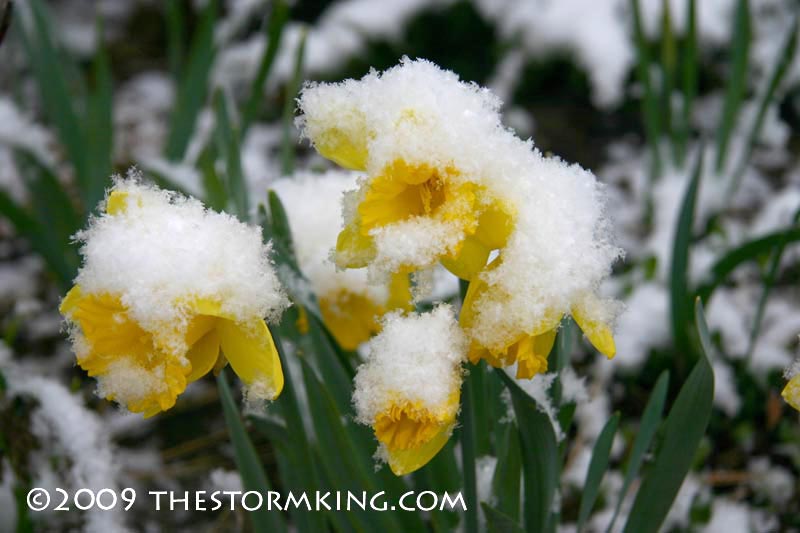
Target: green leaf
748,251
540,462
680,302
228,145
342,458
737,82
650,104
39,238
702,329
274,30
57,99
651,419
466,436
216,197
784,59
506,482
768,282
176,35
193,86
683,431
668,61
295,454
689,73
100,128
597,469
247,461
292,88
499,522
281,231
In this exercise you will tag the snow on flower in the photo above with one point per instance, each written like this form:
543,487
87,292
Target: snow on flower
349,304
409,388
446,181
165,285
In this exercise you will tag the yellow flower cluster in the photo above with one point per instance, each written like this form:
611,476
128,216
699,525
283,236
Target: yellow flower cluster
444,182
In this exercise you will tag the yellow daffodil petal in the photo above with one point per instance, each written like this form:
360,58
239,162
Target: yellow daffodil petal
351,318
346,150
252,354
791,392
495,226
532,353
117,202
203,355
399,292
354,249
404,462
470,259
597,331
70,301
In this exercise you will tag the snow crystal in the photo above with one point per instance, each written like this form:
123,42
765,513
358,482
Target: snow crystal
415,358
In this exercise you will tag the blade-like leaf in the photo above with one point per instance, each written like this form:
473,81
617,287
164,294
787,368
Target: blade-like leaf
597,469
176,34
737,82
499,522
683,430
292,87
193,86
668,60
274,30
506,482
57,100
281,232
228,145
651,419
768,282
689,74
784,59
466,437
100,128
247,461
650,106
680,302
748,251
539,457
39,238
343,461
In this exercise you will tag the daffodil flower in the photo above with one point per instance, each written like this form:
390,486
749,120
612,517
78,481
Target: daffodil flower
114,312
412,434
530,347
408,389
405,186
